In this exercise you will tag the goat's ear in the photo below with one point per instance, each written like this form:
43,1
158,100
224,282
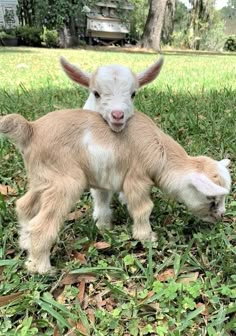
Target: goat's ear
205,186
150,73
75,73
225,162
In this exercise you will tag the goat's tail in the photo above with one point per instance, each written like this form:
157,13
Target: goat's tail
16,128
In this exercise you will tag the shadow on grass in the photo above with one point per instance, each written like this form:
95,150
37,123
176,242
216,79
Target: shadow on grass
203,123
137,50
15,50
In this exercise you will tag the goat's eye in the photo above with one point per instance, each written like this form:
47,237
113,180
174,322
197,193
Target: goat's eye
96,94
133,95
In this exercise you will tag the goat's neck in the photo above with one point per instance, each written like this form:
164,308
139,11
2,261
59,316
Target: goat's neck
177,164
90,103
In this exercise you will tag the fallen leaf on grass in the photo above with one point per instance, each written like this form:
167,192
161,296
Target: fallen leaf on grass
79,256
6,299
71,279
205,310
1,269
166,275
56,331
101,245
74,215
187,278
77,214
81,328
6,190
91,316
81,291
10,251
61,298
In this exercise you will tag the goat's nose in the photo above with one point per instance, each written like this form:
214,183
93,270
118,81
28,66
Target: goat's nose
117,114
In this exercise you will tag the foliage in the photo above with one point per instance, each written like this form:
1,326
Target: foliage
230,44
6,35
213,38
182,285
29,36
49,38
181,20
138,18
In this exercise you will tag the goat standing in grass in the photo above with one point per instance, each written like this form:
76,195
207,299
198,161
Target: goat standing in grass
66,152
112,90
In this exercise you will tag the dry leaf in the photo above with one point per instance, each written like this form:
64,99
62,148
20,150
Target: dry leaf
56,331
10,251
101,245
189,277
81,291
89,277
77,214
71,279
74,215
61,298
6,299
79,256
166,275
7,190
82,329
91,316
205,310
1,269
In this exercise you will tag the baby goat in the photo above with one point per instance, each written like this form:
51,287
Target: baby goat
66,152
112,89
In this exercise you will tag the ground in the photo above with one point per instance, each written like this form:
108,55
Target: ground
108,284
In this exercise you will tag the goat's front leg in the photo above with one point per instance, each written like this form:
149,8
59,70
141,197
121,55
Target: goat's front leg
140,207
102,213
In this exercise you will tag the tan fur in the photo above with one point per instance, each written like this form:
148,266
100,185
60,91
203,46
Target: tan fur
58,151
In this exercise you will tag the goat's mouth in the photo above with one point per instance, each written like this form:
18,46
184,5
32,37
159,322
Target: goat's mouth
117,126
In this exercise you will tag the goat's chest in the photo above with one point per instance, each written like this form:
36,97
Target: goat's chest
103,169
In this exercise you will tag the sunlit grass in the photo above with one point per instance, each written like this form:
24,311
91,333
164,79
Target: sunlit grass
122,288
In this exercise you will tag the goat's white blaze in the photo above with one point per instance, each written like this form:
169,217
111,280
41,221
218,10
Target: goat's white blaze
103,164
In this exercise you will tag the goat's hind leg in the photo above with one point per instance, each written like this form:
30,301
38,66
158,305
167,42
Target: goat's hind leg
27,207
102,213
56,202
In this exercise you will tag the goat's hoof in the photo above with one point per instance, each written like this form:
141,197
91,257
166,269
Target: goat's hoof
102,225
146,237
33,266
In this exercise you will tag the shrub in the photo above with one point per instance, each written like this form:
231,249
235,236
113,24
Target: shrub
29,36
5,35
49,38
230,44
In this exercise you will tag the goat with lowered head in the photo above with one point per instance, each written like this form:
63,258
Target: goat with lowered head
80,151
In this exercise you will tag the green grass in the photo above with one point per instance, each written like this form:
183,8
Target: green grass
185,284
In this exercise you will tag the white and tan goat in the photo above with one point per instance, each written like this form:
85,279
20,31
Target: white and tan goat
112,89
80,151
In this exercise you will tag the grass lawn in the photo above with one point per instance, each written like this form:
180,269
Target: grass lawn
108,284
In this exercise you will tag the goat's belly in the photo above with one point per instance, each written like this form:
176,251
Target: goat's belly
106,181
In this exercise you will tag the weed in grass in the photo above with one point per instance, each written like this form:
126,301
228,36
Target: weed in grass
182,285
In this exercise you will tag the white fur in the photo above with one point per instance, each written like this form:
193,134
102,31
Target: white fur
115,84
103,163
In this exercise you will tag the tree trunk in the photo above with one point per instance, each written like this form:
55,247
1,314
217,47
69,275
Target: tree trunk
168,25
154,24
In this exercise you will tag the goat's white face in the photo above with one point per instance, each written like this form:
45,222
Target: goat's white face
203,197
112,89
